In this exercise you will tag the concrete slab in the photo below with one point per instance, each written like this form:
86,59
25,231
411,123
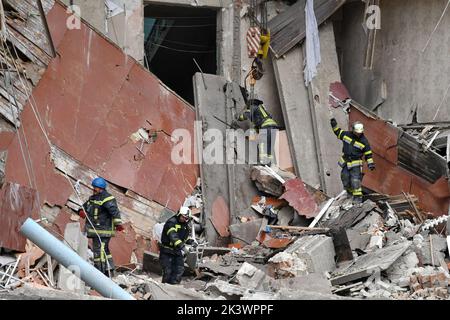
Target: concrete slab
314,146
246,232
221,176
316,251
370,263
314,282
250,277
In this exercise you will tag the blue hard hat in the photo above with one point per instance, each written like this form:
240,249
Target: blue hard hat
99,183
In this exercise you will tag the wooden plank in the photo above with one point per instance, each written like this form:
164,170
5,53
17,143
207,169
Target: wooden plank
288,28
50,269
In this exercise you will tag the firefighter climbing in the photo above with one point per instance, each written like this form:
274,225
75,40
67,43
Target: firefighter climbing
355,147
260,119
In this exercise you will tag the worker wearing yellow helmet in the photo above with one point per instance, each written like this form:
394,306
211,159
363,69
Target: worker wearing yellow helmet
355,148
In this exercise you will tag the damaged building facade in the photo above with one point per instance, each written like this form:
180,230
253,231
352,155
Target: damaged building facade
102,96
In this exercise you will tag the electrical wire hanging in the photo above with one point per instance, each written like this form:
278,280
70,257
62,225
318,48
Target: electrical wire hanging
181,50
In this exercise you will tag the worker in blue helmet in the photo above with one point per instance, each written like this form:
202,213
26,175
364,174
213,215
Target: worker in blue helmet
103,221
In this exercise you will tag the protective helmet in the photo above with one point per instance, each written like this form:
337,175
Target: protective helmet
358,127
99,183
185,212
255,102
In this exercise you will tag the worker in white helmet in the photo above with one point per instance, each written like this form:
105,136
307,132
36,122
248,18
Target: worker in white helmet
172,250
355,148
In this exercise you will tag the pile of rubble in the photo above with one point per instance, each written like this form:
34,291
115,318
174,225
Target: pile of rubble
300,244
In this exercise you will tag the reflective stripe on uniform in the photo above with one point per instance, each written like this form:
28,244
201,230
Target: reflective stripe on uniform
347,139
263,112
357,192
368,153
177,243
176,228
117,221
359,145
102,202
268,122
356,163
370,161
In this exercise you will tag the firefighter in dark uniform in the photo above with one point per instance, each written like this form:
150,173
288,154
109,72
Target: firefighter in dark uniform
266,127
103,220
355,147
172,249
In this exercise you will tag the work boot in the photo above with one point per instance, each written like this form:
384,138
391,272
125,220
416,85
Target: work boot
357,201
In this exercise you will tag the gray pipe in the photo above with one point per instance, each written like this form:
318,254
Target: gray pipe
68,258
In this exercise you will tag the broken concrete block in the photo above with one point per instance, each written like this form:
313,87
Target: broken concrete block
163,291
285,216
316,282
151,263
427,256
286,265
250,277
260,295
265,182
401,269
370,263
316,251
246,232
357,240
289,294
223,288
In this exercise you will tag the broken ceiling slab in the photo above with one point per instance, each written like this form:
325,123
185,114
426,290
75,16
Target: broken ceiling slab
316,282
299,198
367,264
266,182
289,28
33,292
246,232
250,277
163,291
288,294
217,268
223,288
351,216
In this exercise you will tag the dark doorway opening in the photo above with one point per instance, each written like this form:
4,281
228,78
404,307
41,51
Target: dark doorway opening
174,37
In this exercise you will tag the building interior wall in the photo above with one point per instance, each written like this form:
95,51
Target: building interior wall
407,84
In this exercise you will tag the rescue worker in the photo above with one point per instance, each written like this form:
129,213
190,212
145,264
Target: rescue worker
355,147
172,249
103,220
265,126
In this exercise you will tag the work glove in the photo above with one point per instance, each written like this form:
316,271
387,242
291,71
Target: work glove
333,122
82,213
184,251
371,166
119,227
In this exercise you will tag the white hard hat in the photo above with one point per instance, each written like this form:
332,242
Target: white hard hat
185,211
358,127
